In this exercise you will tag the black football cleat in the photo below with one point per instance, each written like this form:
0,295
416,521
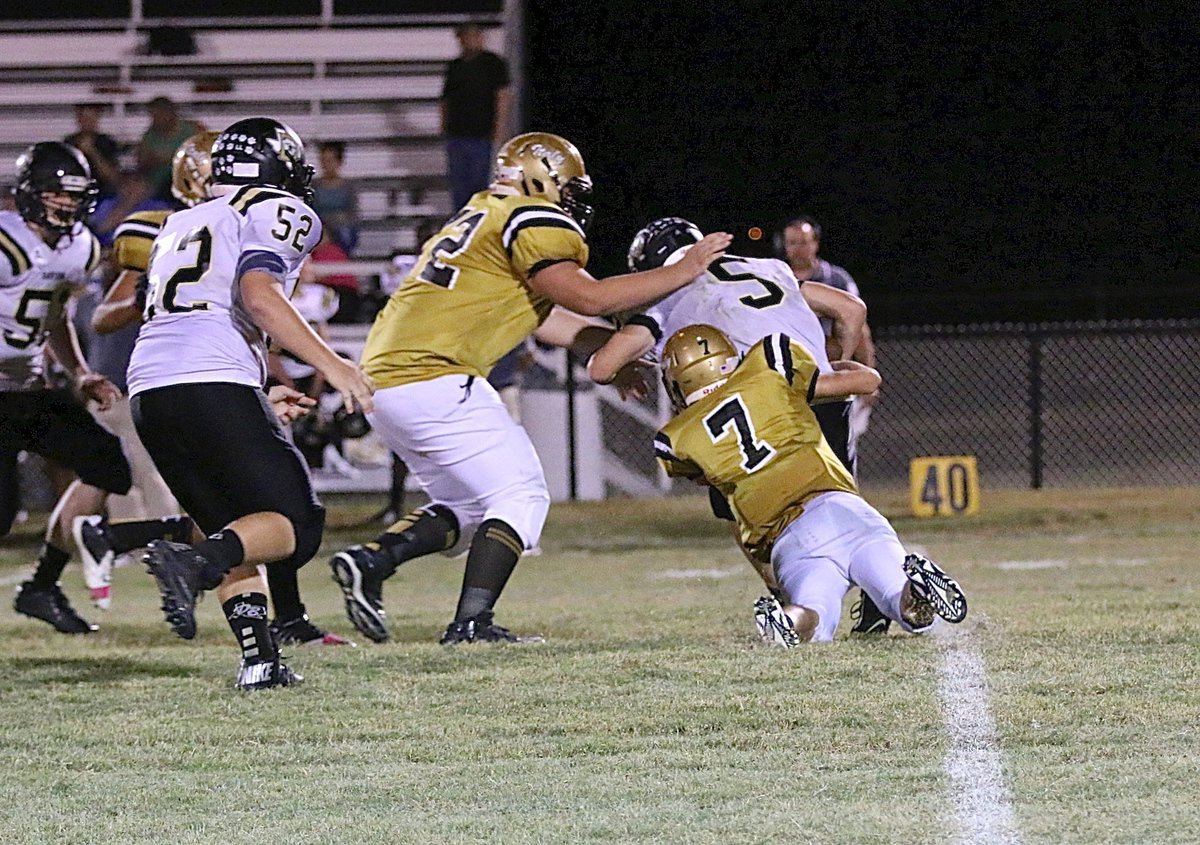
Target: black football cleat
302,631
50,605
176,571
266,675
360,572
481,629
868,618
930,585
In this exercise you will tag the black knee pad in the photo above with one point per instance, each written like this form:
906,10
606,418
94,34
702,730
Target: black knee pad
308,537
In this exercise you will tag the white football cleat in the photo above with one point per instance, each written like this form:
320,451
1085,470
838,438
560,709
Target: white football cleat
774,626
96,552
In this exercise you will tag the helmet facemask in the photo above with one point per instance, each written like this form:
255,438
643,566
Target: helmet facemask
55,189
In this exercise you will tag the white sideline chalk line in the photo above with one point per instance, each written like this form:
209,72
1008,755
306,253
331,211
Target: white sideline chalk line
1063,564
982,803
685,574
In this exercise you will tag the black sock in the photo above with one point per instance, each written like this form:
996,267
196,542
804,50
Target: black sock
494,552
247,615
425,530
222,552
50,564
133,535
285,591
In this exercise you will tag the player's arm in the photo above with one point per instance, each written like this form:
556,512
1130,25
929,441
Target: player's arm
569,285
848,312
120,306
629,344
849,378
64,346
675,465
268,305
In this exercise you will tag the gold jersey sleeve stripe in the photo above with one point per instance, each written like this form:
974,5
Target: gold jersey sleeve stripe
16,255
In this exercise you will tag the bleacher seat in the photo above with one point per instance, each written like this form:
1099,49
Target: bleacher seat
374,87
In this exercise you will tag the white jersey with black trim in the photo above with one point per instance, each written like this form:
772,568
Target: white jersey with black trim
747,299
196,328
35,281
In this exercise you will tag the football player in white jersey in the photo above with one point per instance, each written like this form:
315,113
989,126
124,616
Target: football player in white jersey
746,299
45,251
118,318
219,280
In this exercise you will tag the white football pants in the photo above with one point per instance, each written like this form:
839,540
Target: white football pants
840,541
466,453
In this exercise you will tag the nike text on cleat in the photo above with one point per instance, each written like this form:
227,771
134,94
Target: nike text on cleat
272,673
930,584
360,573
97,555
773,625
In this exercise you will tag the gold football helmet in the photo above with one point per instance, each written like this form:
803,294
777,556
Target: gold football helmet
696,361
191,169
541,164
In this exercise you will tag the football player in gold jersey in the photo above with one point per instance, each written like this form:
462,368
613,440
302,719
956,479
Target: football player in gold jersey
745,427
486,281
118,316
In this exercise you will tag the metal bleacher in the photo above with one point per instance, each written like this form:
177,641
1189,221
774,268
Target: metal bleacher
374,87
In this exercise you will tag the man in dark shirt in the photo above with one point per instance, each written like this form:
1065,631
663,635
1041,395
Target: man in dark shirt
102,151
475,106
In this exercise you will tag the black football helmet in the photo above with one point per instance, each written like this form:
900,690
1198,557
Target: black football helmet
262,151
655,243
52,167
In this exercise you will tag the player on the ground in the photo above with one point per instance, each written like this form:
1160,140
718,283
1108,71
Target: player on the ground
119,317
747,299
491,277
219,279
744,426
45,251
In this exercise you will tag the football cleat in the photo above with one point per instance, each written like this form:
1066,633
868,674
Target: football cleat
302,631
176,571
481,629
869,619
932,587
773,625
50,605
97,553
360,572
272,673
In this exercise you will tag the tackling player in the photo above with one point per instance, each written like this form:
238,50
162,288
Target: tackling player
219,279
744,426
747,299
45,250
121,312
485,282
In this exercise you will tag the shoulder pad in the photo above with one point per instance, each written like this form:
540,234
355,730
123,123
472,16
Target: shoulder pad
252,195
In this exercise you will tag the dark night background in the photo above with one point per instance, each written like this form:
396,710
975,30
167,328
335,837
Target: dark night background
1022,163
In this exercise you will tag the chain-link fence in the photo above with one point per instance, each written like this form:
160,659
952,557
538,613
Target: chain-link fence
1054,405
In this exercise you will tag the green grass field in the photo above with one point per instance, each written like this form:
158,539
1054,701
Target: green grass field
650,715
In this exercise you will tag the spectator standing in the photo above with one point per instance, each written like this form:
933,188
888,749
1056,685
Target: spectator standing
334,197
799,245
167,131
101,150
475,111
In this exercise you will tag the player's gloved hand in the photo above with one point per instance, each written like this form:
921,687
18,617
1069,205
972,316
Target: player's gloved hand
289,404
356,387
635,380
95,387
